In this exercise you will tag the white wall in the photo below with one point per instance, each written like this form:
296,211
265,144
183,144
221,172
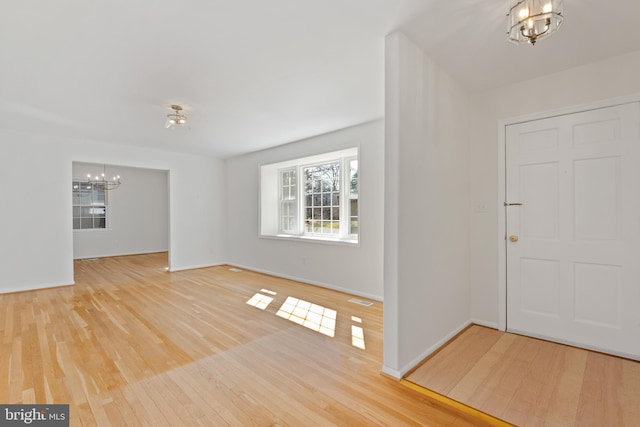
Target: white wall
426,258
137,213
602,80
353,268
36,237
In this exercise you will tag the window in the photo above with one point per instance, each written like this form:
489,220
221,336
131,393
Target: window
288,201
89,206
322,199
314,197
353,196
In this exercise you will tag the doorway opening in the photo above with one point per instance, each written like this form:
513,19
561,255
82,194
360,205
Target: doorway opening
130,219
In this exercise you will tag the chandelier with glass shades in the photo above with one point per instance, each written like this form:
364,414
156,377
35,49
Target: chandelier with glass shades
531,20
175,119
102,182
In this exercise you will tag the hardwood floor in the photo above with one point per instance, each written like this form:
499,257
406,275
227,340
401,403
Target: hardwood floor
131,344
531,382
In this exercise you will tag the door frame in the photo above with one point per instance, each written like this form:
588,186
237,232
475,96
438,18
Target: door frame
502,187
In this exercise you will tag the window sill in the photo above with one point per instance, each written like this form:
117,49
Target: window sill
313,239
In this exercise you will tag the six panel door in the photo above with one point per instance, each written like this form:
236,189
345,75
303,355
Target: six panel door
573,273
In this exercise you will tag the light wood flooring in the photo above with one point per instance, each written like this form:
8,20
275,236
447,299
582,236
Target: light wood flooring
131,344
530,382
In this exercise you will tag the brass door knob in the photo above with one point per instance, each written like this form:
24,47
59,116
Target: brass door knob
513,238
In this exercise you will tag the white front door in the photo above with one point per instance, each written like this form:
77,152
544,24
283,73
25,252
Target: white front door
573,246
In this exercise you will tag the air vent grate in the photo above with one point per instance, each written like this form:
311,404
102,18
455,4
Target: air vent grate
360,302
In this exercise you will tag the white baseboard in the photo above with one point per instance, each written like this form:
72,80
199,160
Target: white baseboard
194,267
577,344
492,325
35,287
412,364
392,372
311,282
118,254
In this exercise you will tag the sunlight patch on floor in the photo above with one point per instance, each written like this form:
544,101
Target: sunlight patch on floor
309,315
260,301
357,337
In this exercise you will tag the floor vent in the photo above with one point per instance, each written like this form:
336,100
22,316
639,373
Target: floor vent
235,270
359,301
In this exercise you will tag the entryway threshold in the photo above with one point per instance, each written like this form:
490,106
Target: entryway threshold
473,412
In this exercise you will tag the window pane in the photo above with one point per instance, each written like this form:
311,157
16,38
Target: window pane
288,196
84,196
288,218
354,184
335,213
288,189
99,196
354,225
335,227
354,207
89,210
323,181
353,176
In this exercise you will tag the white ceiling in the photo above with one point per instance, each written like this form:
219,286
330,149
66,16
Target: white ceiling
252,74
469,39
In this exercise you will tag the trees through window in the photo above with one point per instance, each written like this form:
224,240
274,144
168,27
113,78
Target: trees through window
322,198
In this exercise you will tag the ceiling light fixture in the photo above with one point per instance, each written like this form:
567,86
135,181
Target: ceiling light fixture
101,181
530,20
175,119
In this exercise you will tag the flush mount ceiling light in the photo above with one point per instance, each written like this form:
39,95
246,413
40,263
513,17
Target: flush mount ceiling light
102,182
530,20
175,119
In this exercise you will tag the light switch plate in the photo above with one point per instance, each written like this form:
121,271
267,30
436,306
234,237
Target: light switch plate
480,207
